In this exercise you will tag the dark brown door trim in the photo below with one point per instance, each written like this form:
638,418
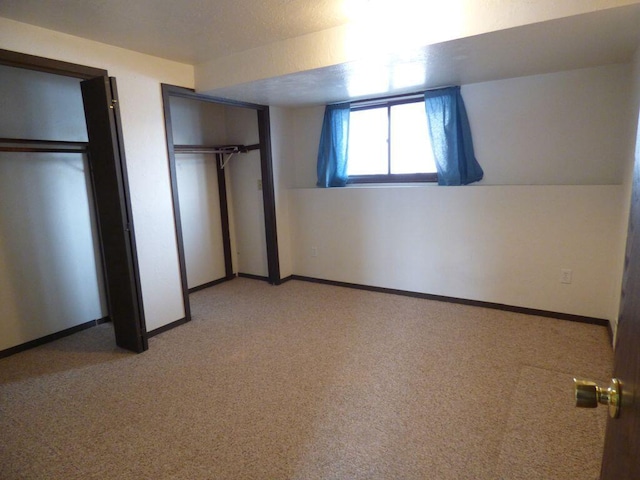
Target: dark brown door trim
224,218
168,127
269,199
621,452
47,65
267,181
114,215
130,326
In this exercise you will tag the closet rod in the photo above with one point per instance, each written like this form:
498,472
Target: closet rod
42,150
215,149
41,146
32,141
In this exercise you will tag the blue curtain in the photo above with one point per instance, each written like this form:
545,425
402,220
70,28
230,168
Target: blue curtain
332,152
451,137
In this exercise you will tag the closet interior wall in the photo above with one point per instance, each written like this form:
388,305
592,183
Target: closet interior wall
51,275
199,123
247,202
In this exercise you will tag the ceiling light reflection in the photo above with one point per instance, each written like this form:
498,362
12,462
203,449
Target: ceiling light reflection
367,79
391,26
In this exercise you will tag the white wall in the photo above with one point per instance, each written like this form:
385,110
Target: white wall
502,244
197,180
139,77
37,105
539,209
50,271
199,123
557,129
305,126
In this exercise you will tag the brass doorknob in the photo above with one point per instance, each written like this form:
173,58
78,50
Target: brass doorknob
589,394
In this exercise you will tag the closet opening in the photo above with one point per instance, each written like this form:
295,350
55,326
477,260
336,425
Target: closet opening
67,248
222,185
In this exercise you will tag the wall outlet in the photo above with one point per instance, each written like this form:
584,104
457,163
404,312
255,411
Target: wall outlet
314,251
566,275
259,184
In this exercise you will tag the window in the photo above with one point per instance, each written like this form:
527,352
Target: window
389,142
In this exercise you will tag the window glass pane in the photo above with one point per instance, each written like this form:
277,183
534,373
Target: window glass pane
368,150
410,146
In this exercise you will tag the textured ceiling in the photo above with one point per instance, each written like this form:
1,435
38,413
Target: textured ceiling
196,31
599,38
188,31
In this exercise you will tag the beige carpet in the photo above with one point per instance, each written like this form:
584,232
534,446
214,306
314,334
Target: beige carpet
307,381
